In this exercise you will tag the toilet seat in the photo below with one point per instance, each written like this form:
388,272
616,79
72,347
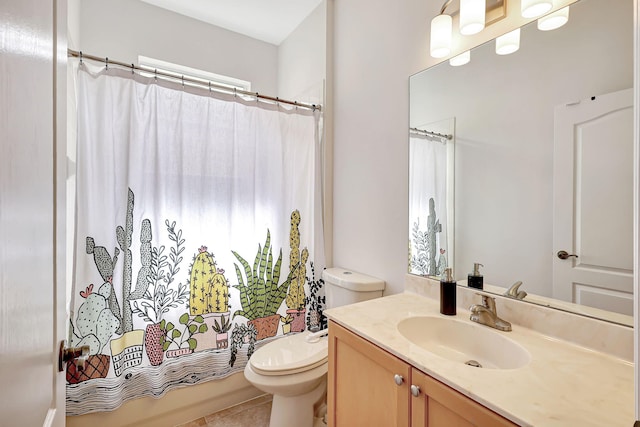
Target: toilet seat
290,355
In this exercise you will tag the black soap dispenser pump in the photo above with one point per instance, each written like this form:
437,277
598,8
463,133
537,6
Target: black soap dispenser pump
448,293
475,280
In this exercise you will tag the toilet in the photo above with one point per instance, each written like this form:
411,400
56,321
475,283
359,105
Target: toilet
294,368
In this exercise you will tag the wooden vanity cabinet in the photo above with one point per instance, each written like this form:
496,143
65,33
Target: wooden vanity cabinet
368,386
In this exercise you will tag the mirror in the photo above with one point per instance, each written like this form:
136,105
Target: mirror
522,156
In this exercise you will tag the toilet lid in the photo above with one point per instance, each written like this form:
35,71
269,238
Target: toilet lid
289,355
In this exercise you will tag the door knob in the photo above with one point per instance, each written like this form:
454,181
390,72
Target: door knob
77,354
565,255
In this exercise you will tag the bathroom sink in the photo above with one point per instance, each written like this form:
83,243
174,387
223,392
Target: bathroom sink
464,342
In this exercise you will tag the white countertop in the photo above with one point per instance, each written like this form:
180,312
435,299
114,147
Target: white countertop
563,385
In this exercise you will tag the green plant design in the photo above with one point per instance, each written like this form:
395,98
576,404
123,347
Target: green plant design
237,339
223,326
191,327
425,243
260,294
160,297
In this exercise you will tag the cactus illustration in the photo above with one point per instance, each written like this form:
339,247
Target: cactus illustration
124,237
298,267
95,323
105,265
209,286
316,319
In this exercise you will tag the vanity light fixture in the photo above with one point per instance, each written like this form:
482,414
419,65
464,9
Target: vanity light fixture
441,27
472,16
535,8
508,43
461,59
554,20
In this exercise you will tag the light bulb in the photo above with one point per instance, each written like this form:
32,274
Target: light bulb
535,8
472,16
508,43
441,27
461,59
554,20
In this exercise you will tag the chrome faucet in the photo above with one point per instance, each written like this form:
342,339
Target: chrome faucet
513,291
486,314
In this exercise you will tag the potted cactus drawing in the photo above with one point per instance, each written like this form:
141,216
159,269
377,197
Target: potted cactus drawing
297,266
260,294
222,331
161,295
209,289
126,351
95,324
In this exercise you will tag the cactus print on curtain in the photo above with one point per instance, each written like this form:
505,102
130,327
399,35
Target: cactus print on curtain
431,201
198,235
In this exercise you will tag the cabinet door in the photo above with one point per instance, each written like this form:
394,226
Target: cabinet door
362,389
437,405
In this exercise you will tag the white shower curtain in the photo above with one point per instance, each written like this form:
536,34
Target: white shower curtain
428,205
198,234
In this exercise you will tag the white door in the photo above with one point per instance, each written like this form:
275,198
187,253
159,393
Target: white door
32,218
593,202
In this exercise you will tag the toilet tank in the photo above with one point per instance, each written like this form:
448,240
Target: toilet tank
343,287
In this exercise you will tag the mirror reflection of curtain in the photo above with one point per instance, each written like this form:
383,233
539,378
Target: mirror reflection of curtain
198,234
428,200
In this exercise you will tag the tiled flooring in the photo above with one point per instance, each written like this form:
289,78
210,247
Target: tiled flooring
254,413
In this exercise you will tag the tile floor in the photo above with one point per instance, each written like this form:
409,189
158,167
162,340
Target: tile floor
254,413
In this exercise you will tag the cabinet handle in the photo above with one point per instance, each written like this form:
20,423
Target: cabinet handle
415,390
398,379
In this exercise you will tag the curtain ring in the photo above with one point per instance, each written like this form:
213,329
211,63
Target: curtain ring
106,62
182,77
209,86
257,97
235,92
155,74
80,57
132,68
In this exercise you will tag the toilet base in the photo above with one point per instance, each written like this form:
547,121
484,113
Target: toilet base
296,411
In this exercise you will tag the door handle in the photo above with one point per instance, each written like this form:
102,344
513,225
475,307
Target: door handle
77,354
565,255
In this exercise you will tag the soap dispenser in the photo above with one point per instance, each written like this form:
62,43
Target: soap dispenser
448,293
475,280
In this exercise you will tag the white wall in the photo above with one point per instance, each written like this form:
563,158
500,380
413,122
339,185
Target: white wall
124,29
302,59
378,45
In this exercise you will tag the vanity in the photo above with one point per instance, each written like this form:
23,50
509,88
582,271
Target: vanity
387,369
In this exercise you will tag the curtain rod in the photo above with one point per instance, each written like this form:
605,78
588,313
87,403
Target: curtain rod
208,85
430,133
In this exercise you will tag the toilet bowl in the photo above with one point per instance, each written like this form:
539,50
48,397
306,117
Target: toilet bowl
294,371
294,368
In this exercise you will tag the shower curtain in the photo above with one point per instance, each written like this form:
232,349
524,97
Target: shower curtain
198,234
428,205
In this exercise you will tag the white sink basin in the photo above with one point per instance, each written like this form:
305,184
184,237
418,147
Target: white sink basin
462,342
